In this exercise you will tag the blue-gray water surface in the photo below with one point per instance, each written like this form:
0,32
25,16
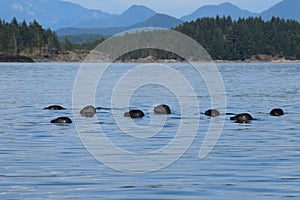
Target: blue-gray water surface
40,160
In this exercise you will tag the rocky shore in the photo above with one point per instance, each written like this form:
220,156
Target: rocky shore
15,58
82,55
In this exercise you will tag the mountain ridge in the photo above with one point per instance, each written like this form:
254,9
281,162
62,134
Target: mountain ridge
49,13
158,20
287,9
223,9
52,14
131,16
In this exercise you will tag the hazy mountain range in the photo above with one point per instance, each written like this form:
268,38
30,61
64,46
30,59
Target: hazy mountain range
157,20
50,13
224,9
59,15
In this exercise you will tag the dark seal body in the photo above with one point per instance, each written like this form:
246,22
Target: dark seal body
55,107
162,109
134,114
88,111
277,112
62,120
212,113
243,118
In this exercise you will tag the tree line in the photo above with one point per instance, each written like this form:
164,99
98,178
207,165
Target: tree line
242,39
227,39
16,38
33,39
222,37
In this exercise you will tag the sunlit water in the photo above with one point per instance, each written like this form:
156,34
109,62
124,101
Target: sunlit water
39,160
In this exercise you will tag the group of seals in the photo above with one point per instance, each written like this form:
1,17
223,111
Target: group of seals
59,120
160,109
243,118
88,111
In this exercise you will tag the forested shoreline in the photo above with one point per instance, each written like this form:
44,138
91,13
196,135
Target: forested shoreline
223,38
28,39
251,39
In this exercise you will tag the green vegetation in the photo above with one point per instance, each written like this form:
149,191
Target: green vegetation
226,39
18,38
67,44
81,38
223,38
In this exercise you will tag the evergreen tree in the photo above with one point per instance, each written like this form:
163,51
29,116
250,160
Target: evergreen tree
245,38
32,38
67,45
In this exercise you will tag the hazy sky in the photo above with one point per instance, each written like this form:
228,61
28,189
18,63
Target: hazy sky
177,8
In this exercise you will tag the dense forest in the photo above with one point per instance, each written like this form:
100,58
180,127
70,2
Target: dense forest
223,38
67,43
16,38
226,39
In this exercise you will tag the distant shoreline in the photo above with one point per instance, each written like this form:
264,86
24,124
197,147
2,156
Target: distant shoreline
15,58
80,56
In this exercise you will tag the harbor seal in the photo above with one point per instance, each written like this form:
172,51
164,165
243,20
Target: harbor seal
54,107
62,120
212,113
242,118
162,109
88,111
134,114
277,112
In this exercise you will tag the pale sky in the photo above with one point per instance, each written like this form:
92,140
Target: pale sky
176,8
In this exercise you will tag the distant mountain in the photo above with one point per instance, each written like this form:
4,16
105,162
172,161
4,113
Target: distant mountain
287,9
131,16
49,13
224,9
158,20
58,14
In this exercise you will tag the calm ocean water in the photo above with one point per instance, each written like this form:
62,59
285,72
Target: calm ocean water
39,160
